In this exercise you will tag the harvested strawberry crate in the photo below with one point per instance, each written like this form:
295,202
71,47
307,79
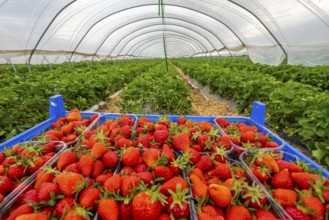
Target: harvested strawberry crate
114,130
223,189
145,174
298,188
65,181
190,133
58,120
21,163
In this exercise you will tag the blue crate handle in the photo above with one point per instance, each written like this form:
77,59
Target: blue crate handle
258,113
56,106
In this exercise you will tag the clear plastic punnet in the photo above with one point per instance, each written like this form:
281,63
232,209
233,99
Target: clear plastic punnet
297,166
55,148
239,145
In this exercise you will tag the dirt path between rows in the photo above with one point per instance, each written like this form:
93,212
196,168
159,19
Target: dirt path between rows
201,105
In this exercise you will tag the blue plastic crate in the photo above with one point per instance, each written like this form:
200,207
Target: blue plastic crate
257,117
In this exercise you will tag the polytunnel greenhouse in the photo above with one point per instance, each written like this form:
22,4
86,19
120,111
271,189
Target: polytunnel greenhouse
134,110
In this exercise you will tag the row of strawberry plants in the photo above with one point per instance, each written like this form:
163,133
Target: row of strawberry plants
298,109
156,91
24,96
317,76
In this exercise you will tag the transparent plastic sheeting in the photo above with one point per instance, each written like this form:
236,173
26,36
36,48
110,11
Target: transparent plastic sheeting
45,31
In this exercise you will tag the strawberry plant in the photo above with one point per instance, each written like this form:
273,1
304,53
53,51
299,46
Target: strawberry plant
156,91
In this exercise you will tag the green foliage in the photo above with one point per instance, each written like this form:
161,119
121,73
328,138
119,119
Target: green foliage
295,96
24,96
156,91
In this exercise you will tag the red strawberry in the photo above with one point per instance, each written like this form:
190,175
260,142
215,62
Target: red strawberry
5,185
45,191
221,195
164,172
150,157
126,131
113,184
261,173
167,152
110,159
98,150
140,167
282,179
42,177
21,210
93,118
248,136
264,215
86,165
178,205
288,165
199,188
108,209
58,134
29,196
66,158
313,206
77,213
196,155
103,177
128,183
285,197
88,197
37,164
161,136
16,171
125,211
142,141
222,170
202,139
74,115
204,163
296,214
303,179
182,142
225,141
127,171
123,142
66,129
146,177
271,144
64,206
33,216
145,207
73,168
48,148
267,160
172,183
70,183
131,156
222,122
254,196
49,211
97,169
240,211
181,120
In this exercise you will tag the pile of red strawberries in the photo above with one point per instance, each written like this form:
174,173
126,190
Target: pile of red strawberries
245,136
123,169
303,193
20,162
